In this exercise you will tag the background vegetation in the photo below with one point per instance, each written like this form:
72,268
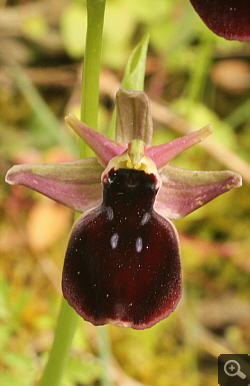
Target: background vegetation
193,78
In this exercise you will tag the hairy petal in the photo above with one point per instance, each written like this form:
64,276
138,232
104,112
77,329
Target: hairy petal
76,184
104,148
163,154
184,191
227,18
134,120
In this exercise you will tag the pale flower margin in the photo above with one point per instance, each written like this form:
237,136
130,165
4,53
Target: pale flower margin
79,185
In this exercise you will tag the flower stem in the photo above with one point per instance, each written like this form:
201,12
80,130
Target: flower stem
67,320
89,115
92,64
105,354
58,359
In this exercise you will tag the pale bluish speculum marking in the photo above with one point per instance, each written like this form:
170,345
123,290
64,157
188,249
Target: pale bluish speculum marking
138,244
145,218
110,213
114,240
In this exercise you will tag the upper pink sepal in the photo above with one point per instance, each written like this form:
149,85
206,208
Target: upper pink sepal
134,120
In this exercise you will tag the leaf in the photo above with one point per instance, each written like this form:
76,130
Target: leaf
134,75
135,70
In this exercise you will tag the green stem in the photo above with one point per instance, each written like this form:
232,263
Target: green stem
105,354
67,320
58,359
89,115
92,63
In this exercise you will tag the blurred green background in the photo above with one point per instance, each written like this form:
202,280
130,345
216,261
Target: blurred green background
192,78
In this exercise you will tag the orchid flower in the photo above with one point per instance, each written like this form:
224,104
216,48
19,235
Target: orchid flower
227,18
122,264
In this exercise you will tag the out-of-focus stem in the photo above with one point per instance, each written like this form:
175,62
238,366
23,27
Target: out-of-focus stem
58,359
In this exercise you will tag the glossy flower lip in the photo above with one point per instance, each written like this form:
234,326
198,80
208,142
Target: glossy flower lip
226,18
122,264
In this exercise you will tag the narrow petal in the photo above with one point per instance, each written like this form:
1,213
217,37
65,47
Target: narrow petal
184,191
134,120
227,18
76,184
104,148
163,154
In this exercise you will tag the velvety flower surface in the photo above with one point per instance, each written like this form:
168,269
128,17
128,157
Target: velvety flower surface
227,18
122,264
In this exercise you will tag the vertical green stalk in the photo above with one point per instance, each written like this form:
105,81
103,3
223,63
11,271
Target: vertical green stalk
89,115
105,354
59,355
91,69
67,320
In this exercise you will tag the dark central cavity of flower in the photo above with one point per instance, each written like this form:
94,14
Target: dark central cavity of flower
122,263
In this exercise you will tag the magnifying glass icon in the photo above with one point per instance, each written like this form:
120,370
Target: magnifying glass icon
232,368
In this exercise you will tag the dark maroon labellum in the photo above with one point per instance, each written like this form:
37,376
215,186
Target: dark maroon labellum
122,265
227,18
